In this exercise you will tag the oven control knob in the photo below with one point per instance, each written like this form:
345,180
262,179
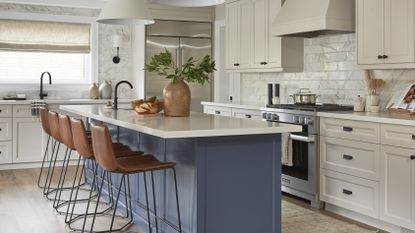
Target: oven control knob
269,116
264,115
308,121
301,120
275,117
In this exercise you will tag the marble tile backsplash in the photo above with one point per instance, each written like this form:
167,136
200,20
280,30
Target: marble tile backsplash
107,70
330,71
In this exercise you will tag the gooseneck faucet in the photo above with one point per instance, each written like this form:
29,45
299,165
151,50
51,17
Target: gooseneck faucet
42,95
115,104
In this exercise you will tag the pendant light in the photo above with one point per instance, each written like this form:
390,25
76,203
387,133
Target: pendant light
126,12
187,3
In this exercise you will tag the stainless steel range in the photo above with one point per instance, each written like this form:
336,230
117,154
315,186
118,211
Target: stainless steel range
301,179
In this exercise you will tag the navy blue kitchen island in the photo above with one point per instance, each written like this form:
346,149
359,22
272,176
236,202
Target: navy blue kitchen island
228,169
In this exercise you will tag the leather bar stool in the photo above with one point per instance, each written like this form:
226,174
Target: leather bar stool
46,129
105,156
83,144
55,133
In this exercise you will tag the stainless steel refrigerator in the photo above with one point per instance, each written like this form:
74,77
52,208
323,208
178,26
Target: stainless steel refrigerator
184,40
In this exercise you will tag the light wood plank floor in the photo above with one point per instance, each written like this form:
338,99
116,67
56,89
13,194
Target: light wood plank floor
23,209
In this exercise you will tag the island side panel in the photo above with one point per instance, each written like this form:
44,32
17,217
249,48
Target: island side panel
239,187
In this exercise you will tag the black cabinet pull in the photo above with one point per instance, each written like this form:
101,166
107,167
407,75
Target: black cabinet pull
347,192
384,56
0,129
412,157
380,56
347,157
248,116
0,152
217,112
236,64
413,136
1,110
347,129
265,63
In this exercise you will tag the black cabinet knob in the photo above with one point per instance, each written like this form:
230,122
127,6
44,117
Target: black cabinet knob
412,157
384,56
347,157
217,112
248,116
347,129
347,192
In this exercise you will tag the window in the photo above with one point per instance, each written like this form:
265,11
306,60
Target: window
28,48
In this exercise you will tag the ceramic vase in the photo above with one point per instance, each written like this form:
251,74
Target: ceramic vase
177,99
371,100
105,90
93,91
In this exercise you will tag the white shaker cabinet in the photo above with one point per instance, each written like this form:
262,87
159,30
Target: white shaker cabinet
238,34
385,33
250,45
398,186
27,140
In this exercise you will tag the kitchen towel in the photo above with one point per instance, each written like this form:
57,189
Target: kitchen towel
286,150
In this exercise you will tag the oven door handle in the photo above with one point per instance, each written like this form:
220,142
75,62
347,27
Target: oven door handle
309,139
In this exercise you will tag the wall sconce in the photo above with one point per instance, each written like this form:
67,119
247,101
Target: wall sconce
117,39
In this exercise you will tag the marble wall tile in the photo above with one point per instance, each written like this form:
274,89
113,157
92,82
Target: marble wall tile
330,70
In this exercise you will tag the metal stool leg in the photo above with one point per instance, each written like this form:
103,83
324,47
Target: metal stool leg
50,165
116,202
73,187
177,199
154,201
90,197
62,177
53,169
43,162
147,203
104,173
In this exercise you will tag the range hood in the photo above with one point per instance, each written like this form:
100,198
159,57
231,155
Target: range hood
310,18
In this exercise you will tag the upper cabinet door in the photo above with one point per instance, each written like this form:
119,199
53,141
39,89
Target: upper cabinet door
245,30
232,35
370,32
260,32
399,31
274,42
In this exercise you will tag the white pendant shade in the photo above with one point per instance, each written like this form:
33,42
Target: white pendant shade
128,12
188,3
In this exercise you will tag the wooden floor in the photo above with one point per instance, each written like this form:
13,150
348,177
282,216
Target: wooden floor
24,209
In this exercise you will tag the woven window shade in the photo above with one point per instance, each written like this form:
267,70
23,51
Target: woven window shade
44,36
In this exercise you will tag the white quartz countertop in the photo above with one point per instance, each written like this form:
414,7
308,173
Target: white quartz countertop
229,105
196,125
381,117
62,101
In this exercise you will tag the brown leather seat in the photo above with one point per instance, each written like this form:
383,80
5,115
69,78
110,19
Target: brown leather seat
66,131
105,156
44,118
54,126
83,142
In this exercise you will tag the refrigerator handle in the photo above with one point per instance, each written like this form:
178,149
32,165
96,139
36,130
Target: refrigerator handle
178,57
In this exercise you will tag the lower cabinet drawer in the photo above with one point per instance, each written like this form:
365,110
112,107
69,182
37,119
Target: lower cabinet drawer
350,157
397,135
246,113
6,129
216,110
6,152
349,192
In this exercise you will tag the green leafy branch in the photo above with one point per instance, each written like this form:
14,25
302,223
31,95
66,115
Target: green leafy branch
192,71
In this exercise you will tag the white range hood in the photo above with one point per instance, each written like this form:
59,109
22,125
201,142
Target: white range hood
310,18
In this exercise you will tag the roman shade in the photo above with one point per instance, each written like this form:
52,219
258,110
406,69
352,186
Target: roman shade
44,36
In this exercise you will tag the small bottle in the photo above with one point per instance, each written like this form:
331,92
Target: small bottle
358,105
276,97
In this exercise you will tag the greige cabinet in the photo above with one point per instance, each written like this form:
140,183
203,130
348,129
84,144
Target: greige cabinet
238,35
27,140
250,45
385,33
398,186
